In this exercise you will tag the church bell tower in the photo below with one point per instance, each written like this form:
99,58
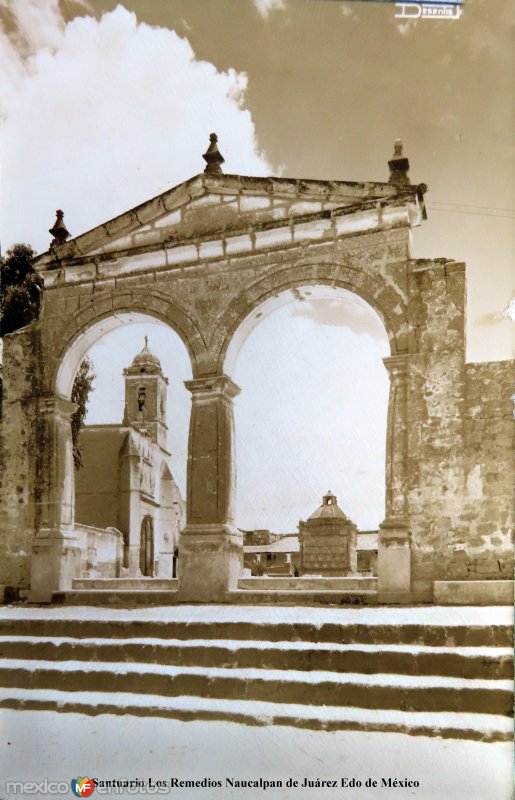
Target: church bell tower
145,396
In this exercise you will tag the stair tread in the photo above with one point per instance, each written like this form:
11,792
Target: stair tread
266,711
264,675
430,616
237,644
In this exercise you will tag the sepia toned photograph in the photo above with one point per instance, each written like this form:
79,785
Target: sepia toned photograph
256,435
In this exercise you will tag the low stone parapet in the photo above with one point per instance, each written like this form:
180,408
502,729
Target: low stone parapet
101,551
473,593
306,582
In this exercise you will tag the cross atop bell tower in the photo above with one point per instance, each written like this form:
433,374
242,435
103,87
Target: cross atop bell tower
146,395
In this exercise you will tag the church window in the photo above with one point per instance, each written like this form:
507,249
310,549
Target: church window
142,398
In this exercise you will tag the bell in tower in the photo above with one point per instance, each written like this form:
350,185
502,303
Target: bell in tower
145,396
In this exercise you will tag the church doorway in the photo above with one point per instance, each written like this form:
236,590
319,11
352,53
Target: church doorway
146,552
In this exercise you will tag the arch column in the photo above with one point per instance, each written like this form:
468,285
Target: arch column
211,549
56,550
394,550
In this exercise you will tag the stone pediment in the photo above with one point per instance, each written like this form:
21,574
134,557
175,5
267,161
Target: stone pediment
209,206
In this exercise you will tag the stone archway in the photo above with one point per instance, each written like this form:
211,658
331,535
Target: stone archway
55,549
245,312
293,355
202,257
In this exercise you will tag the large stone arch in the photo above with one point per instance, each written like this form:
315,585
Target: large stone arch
384,299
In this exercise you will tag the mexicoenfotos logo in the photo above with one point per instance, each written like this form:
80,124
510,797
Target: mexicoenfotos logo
82,787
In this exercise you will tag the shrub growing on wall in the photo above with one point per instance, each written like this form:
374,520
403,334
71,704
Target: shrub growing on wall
21,290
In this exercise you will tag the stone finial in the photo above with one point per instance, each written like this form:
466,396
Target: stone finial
399,166
59,230
213,158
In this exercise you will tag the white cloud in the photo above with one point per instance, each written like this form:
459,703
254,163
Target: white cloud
100,115
266,6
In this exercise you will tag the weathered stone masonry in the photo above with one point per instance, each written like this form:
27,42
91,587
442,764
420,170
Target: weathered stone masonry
204,258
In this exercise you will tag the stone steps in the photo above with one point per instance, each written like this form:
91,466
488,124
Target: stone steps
117,597
314,688
308,583
308,597
465,662
478,727
132,584
409,670
96,593
138,623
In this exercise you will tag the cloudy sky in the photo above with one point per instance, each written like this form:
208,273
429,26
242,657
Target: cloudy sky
106,104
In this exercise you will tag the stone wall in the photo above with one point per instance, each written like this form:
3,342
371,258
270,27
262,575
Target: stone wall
483,547
18,460
435,409
101,551
97,488
460,471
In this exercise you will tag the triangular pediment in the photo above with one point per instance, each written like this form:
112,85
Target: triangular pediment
208,205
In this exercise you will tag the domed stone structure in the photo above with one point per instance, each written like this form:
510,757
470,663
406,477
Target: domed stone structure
144,362
328,541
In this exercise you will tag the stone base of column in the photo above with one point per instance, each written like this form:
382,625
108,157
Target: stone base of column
210,563
394,562
55,563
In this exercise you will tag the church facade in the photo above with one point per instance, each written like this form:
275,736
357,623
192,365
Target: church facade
128,507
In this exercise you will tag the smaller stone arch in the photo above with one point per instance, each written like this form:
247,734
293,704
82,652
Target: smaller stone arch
95,320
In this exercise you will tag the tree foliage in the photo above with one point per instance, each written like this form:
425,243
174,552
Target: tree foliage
82,387
20,302
20,289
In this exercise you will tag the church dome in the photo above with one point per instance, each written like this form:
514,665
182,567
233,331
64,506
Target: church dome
145,359
329,508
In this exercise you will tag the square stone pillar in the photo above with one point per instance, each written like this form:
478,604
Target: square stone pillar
56,553
394,549
211,549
